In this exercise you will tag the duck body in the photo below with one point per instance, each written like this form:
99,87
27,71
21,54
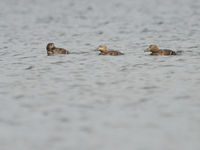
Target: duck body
155,51
51,50
164,52
103,51
111,53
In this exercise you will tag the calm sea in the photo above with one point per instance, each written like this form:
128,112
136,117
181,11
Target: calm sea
83,101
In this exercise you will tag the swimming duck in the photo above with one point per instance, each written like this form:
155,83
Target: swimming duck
51,49
156,51
104,51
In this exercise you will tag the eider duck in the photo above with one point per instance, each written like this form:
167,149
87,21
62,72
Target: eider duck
104,51
51,49
156,51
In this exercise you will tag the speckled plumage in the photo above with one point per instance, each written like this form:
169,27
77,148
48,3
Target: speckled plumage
156,51
51,49
104,51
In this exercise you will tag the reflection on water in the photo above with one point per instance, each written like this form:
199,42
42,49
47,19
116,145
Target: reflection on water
86,101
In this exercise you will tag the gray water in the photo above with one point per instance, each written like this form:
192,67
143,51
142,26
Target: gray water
83,101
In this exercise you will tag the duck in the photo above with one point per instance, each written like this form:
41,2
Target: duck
104,51
156,51
51,49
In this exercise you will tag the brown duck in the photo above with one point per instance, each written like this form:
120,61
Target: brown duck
156,51
104,51
51,49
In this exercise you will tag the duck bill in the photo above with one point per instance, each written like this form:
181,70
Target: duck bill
53,48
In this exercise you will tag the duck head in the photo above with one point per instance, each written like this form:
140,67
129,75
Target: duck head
102,48
50,46
152,48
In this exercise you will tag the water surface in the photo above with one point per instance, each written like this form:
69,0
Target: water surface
90,102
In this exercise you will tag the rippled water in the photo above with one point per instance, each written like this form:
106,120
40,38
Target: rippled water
83,101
